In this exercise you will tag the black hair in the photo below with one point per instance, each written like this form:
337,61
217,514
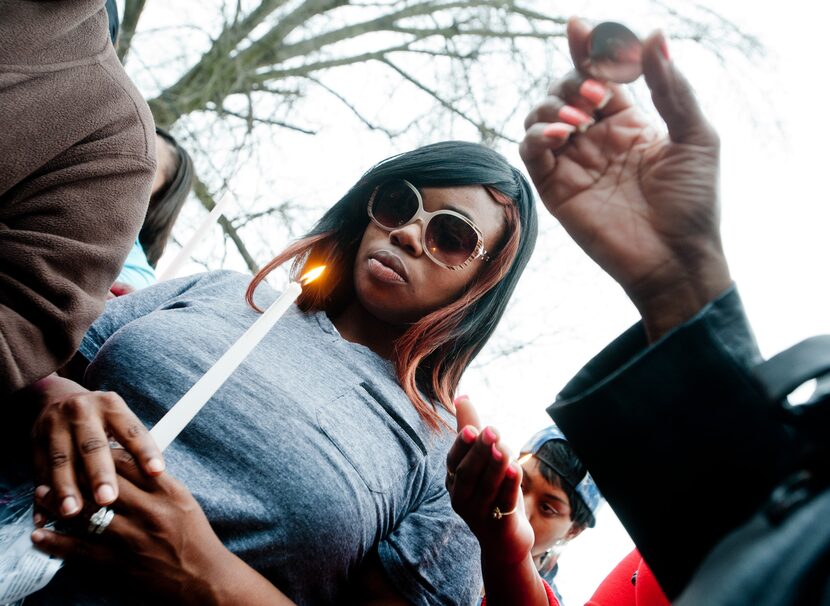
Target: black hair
445,164
167,202
560,467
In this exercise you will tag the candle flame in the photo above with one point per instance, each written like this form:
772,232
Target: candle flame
312,275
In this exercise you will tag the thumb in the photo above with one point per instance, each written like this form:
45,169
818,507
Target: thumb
673,96
465,414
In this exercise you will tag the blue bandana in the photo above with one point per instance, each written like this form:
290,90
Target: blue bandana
586,489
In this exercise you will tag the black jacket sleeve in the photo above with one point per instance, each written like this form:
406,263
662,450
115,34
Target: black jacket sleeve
676,435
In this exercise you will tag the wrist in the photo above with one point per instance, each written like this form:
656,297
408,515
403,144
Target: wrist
514,584
496,553
676,300
52,386
37,396
223,579
212,580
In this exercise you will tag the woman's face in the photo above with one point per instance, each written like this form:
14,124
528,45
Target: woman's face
397,282
547,507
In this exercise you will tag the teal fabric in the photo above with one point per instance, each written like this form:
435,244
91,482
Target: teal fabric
677,436
136,270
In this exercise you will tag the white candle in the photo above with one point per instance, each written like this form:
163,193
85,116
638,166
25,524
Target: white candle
184,254
183,411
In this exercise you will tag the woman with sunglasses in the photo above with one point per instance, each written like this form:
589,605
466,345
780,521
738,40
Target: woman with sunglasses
316,473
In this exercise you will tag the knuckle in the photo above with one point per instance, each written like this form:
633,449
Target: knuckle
122,456
92,446
110,400
58,458
126,460
532,118
75,406
155,517
176,490
135,430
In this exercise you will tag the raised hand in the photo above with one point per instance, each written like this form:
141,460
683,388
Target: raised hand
644,206
485,489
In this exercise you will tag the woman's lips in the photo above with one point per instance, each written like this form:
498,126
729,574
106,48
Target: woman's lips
387,267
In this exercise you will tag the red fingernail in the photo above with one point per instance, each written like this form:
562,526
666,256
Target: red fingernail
559,130
577,117
490,436
496,453
595,92
468,435
511,472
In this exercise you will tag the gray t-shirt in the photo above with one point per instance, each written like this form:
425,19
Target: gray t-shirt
309,458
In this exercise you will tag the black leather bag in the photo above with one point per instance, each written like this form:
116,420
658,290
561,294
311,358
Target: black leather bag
781,556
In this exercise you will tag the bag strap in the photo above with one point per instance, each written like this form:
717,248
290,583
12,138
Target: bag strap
777,378
782,373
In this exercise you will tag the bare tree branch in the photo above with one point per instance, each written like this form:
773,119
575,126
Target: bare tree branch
204,196
369,124
251,119
132,13
487,133
309,68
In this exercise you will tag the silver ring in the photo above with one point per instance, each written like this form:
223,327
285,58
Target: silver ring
99,520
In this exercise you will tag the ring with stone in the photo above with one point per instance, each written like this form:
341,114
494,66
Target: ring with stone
498,514
99,520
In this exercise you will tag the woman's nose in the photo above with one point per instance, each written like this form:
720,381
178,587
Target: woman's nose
409,237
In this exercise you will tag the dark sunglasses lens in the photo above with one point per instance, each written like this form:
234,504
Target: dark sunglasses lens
395,203
451,240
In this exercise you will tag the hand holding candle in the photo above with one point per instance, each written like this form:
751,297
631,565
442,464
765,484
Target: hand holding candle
177,418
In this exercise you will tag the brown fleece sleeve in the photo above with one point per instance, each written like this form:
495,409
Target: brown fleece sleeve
59,255
77,160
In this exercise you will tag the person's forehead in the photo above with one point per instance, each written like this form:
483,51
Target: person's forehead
533,468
